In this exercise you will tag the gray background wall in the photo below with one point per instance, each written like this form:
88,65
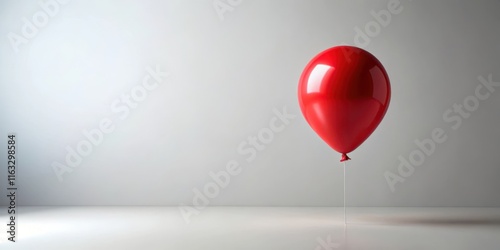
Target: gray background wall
226,77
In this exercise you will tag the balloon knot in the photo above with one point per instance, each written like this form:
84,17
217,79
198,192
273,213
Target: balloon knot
344,157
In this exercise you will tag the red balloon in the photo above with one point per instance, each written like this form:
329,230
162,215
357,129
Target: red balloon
344,93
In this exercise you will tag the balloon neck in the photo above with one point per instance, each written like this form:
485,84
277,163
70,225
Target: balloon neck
344,157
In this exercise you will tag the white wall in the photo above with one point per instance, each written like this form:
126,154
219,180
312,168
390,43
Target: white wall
225,78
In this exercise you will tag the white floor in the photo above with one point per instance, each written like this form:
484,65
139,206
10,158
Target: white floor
258,228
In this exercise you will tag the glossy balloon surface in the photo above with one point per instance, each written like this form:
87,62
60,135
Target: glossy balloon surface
344,93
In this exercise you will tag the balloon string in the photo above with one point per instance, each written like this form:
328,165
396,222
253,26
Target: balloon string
345,218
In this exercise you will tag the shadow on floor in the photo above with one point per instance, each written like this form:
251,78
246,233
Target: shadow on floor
429,221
